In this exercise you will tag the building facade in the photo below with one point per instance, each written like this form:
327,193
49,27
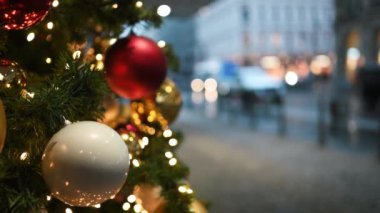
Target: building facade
247,29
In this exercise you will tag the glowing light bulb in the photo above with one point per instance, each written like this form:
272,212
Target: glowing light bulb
182,189
48,197
131,198
112,41
137,208
76,54
24,156
291,78
139,4
50,25
97,206
135,163
172,162
115,6
167,133
48,60
99,57
161,43
68,210
168,155
55,3
173,142
30,37
126,206
163,10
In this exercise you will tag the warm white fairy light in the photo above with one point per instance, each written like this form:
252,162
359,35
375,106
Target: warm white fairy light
50,25
48,60
135,163
163,10
145,141
99,57
167,133
182,189
115,6
173,142
161,43
139,4
144,211
189,191
55,3
97,206
172,162
68,210
30,37
24,156
131,198
168,155
112,41
130,156
138,208
125,137
76,54
126,206
48,197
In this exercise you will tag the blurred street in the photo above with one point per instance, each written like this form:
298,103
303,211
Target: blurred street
238,168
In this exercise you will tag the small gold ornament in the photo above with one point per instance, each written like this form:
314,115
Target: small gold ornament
169,100
11,74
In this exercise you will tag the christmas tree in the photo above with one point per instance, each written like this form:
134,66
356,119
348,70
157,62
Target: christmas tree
60,63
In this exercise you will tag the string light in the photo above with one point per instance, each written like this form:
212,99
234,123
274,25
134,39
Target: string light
139,4
76,54
24,156
48,197
137,208
30,37
163,10
68,210
125,137
55,3
168,155
126,206
112,41
173,142
48,60
135,163
50,25
161,43
167,133
115,6
131,198
189,191
99,57
172,162
182,189
97,206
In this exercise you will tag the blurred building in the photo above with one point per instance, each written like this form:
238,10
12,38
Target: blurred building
243,30
357,30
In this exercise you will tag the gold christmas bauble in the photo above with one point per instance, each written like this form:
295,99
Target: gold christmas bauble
169,100
3,126
11,74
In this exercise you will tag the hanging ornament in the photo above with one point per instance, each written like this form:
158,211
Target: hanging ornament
3,126
169,100
85,163
22,14
11,74
135,67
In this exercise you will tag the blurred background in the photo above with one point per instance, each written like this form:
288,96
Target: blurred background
281,108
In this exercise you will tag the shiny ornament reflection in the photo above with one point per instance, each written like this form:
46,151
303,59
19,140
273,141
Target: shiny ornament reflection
85,163
3,126
11,74
169,100
22,14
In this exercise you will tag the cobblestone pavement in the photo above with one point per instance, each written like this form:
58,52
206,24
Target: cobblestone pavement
240,170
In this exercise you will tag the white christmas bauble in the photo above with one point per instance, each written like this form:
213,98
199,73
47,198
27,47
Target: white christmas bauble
85,163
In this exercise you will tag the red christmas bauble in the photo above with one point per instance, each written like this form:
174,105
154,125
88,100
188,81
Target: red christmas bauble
21,14
135,67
